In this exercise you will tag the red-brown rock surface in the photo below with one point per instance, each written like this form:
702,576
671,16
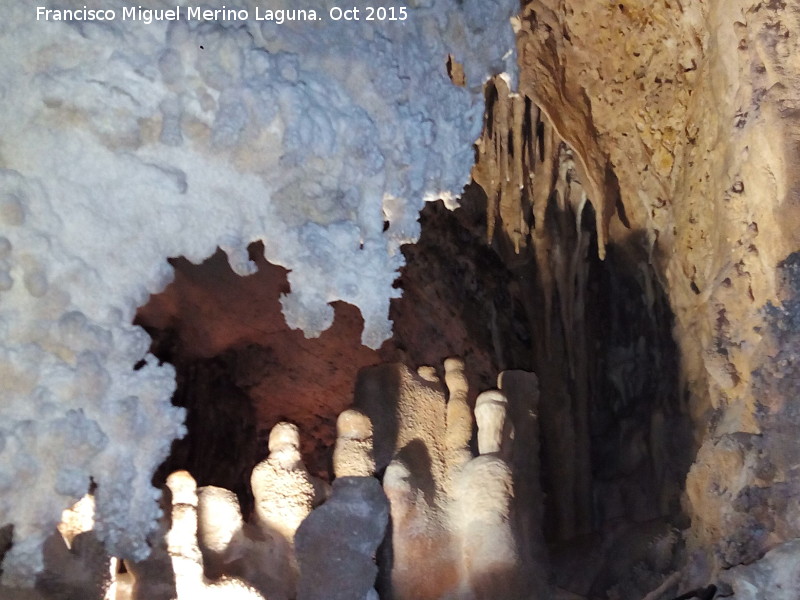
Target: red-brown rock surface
208,313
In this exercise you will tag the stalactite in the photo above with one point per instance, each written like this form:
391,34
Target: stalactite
536,196
505,156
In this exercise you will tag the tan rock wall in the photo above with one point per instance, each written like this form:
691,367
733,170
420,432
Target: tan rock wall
683,120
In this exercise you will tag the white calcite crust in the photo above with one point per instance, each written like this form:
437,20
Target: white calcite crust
125,143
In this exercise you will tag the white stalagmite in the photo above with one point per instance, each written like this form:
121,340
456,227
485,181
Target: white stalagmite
219,527
284,494
124,143
491,411
187,561
483,494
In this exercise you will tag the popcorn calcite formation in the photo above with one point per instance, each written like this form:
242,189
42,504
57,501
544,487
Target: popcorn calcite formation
125,144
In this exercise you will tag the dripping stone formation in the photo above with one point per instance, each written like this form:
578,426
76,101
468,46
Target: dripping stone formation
412,509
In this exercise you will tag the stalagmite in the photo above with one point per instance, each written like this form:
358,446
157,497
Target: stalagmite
423,566
459,416
494,428
409,414
353,455
283,490
219,528
407,410
453,516
482,508
284,494
453,536
187,561
336,543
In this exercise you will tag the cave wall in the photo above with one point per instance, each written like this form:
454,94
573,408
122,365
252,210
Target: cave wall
458,298
683,138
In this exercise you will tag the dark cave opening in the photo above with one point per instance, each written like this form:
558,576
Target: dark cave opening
240,370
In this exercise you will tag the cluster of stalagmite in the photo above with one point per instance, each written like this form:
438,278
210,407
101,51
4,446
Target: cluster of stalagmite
455,517
463,526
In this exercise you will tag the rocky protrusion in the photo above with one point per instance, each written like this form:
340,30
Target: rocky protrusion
494,428
483,495
482,515
187,562
284,494
336,544
459,415
408,414
284,491
219,528
421,557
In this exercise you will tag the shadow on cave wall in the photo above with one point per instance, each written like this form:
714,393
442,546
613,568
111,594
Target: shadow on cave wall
457,299
616,439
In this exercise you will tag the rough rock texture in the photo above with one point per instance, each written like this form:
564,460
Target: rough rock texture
407,410
776,575
456,298
409,415
285,494
336,544
353,455
677,123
